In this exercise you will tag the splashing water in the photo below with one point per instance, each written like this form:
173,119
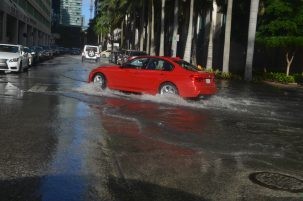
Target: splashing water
218,101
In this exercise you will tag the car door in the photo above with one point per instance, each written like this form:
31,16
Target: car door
24,57
130,79
155,72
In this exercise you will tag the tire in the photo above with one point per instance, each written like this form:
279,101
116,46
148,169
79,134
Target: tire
103,56
100,80
168,88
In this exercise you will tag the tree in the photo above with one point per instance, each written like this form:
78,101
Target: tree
161,52
152,29
254,8
175,29
213,22
281,26
188,45
227,37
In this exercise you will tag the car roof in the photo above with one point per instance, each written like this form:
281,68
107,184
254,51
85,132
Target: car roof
11,45
173,59
91,46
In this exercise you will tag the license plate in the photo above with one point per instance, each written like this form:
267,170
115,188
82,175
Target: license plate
207,81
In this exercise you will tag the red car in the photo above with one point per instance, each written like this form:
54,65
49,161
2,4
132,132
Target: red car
156,75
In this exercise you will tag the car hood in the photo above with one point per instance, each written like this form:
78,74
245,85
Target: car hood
8,55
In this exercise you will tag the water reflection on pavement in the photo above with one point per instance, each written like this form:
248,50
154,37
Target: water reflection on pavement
63,139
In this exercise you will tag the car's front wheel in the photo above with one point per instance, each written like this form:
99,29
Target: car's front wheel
100,80
168,88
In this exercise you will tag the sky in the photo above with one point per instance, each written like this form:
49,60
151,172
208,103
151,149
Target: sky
85,10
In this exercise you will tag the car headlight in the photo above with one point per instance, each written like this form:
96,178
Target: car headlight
14,60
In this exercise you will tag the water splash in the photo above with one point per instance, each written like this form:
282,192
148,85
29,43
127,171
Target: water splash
218,101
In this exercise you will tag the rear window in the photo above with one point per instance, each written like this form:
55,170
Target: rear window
187,66
95,49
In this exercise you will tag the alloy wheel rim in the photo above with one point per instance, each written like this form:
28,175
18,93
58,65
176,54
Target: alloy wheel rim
99,80
168,89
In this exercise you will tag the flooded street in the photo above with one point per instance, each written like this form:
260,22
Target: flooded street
64,139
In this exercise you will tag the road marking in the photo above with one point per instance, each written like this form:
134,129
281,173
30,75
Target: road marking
8,89
38,89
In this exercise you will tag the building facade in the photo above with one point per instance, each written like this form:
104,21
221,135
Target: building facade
97,7
25,22
70,12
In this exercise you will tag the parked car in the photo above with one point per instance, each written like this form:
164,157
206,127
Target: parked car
106,53
156,75
91,52
75,51
129,54
39,52
13,58
113,57
28,51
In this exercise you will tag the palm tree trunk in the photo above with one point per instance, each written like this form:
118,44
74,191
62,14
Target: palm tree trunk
213,22
142,23
161,52
188,46
254,7
122,33
152,40
148,34
175,32
227,37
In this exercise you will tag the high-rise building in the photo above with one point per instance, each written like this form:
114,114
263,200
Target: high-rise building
70,12
97,7
25,22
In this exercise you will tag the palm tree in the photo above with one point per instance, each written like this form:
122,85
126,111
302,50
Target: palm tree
188,46
254,7
161,52
152,29
175,29
213,21
227,37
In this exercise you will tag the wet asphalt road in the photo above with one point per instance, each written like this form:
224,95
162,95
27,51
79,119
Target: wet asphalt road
63,139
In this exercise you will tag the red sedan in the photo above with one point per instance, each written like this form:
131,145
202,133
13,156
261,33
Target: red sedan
156,75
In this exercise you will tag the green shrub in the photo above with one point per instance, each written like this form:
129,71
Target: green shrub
298,78
279,77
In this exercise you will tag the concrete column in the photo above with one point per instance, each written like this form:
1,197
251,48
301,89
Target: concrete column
4,18
12,33
36,37
22,38
29,36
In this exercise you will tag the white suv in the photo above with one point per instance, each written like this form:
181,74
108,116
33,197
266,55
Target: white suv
91,52
13,58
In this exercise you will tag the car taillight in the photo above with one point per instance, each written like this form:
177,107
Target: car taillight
196,78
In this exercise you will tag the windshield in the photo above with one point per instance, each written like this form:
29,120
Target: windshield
187,65
7,48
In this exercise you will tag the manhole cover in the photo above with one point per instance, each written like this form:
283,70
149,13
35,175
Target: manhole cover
277,181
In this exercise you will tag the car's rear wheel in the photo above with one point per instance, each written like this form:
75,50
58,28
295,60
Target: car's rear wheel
168,88
100,80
